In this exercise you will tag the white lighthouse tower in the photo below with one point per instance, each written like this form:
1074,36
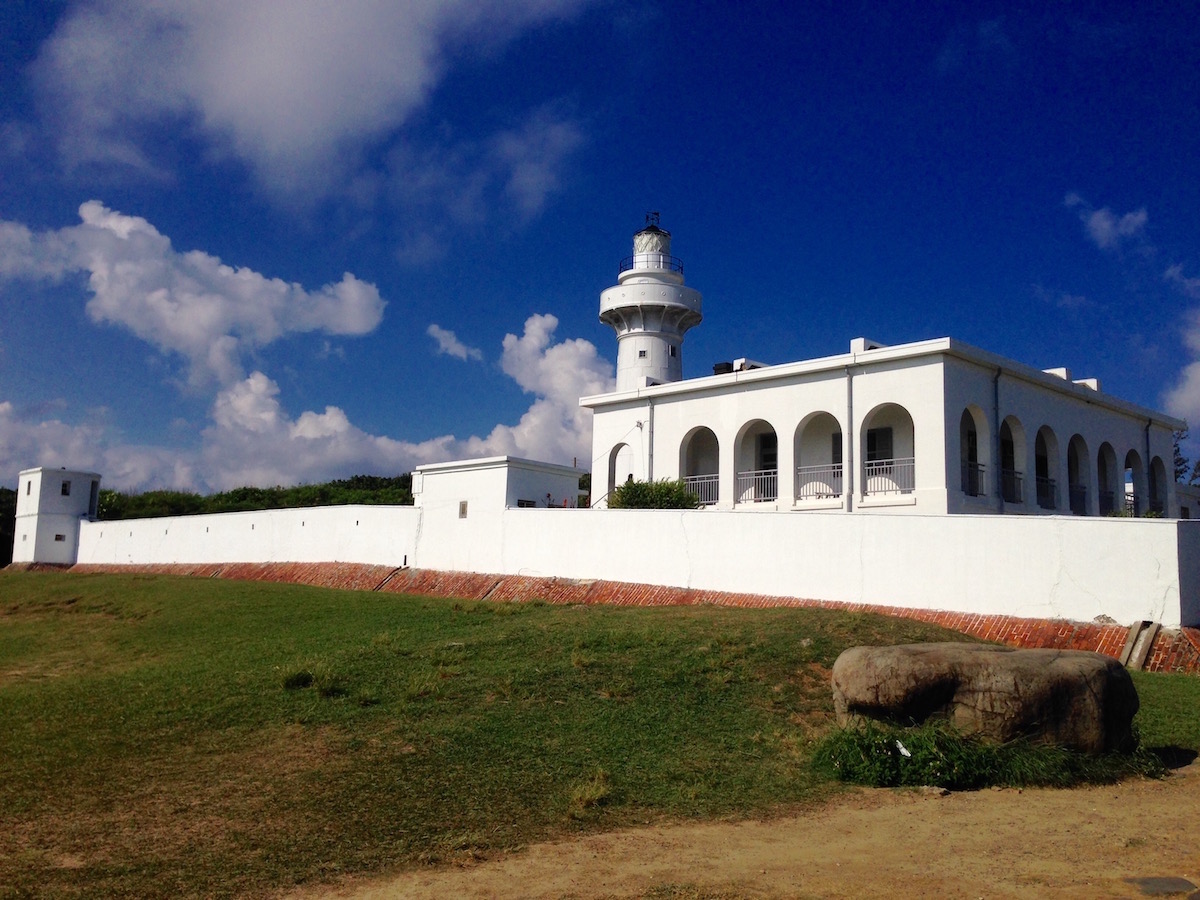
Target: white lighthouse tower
650,309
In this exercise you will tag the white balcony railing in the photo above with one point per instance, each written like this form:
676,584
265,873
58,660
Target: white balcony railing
889,476
819,482
757,487
705,487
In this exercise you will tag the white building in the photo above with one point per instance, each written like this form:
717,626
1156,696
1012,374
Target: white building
945,434
932,427
51,503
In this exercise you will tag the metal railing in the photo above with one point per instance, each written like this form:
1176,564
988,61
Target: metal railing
974,479
819,482
651,261
1078,498
1108,503
757,487
705,487
1012,488
1047,492
889,476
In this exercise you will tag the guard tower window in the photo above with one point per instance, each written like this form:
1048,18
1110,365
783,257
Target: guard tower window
66,489
641,354
28,487
462,509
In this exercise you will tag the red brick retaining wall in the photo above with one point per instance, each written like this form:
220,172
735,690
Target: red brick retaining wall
1172,651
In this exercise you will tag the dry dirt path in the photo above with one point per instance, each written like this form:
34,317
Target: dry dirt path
993,843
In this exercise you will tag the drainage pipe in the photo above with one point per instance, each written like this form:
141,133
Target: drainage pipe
848,443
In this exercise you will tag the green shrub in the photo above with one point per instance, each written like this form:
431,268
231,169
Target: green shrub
937,755
664,494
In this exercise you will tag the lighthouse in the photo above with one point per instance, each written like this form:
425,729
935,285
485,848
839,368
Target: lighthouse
650,309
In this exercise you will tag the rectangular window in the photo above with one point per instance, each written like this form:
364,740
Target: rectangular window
60,537
28,487
526,504
674,350
641,354
66,489
837,448
462,509
879,444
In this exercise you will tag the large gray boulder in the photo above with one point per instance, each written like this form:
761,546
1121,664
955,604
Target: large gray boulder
1085,701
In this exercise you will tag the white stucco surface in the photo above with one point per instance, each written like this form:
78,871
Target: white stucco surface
1040,567
378,535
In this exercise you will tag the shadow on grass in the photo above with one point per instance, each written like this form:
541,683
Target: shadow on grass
1173,757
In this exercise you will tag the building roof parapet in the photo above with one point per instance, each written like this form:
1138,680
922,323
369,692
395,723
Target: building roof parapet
877,354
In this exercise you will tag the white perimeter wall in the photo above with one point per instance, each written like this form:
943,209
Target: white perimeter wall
377,535
1040,567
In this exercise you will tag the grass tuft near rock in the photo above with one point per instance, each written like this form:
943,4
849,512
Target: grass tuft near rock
936,755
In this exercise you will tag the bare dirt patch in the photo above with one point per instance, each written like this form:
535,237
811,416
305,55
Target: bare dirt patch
1081,843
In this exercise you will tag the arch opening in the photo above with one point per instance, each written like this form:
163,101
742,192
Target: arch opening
620,466
819,458
889,458
700,465
1012,460
1045,452
757,463
972,451
1077,475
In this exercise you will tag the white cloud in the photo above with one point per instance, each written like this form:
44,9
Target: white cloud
188,303
461,182
252,440
1106,228
298,90
26,442
532,158
1189,286
449,344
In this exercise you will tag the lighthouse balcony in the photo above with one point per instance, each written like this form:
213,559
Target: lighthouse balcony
661,261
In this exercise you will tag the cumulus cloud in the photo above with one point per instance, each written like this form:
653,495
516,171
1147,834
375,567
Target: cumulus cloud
1108,229
449,344
187,303
27,441
298,90
252,439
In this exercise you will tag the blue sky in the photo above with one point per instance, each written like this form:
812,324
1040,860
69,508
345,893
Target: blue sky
264,242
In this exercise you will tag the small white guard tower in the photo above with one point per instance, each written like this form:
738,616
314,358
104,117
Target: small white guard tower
650,309
50,505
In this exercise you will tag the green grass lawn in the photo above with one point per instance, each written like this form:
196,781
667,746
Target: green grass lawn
167,736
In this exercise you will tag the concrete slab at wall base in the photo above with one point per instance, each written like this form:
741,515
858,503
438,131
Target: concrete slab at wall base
1173,650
